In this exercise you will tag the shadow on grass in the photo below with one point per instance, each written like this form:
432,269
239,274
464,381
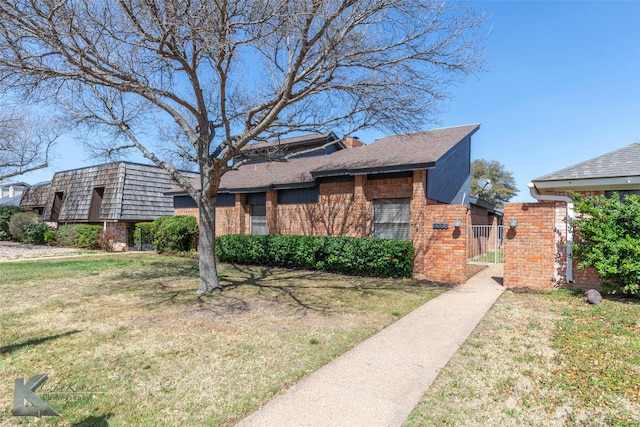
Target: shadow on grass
284,284
300,289
15,347
94,421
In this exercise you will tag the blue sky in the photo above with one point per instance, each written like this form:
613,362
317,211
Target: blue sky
562,86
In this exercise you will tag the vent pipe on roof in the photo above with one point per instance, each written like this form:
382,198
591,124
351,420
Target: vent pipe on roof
569,201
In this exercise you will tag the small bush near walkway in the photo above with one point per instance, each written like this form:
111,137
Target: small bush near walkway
346,255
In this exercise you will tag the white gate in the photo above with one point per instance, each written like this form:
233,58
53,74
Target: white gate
485,244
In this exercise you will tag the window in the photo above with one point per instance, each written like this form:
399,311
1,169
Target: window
96,204
57,205
184,202
299,195
258,219
391,219
225,199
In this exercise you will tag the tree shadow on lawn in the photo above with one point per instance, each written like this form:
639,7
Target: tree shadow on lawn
302,290
35,341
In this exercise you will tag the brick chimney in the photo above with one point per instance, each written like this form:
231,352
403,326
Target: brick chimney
352,141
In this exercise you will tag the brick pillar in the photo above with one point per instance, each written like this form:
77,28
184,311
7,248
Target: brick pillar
445,254
242,212
272,212
529,248
417,222
362,224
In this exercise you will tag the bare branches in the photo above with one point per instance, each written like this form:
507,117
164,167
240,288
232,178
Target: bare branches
25,143
250,66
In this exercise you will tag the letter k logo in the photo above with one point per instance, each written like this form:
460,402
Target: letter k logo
25,401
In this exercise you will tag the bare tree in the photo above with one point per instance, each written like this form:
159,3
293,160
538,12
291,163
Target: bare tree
214,75
25,143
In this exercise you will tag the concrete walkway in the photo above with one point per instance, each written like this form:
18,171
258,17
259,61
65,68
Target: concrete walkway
380,381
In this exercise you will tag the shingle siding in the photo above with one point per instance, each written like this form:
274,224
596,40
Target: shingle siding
132,192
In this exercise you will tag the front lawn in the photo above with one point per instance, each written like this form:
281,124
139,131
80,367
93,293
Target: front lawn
542,360
125,340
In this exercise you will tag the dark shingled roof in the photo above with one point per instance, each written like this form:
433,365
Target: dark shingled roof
420,150
620,163
412,151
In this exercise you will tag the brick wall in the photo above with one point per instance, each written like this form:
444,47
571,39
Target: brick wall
346,209
535,250
444,251
529,248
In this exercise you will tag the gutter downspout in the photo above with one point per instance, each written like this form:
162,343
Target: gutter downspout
569,201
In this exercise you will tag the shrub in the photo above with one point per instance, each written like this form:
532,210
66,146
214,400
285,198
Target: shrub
85,236
19,221
6,212
345,255
175,233
65,235
609,240
34,233
51,237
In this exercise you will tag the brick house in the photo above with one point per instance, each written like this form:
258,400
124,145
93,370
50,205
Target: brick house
396,187
538,250
114,195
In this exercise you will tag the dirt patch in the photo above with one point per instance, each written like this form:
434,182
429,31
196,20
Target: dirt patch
14,251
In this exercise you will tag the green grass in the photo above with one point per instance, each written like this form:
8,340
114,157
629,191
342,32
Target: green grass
541,359
131,332
491,256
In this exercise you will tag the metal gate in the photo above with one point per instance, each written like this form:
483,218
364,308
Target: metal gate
485,244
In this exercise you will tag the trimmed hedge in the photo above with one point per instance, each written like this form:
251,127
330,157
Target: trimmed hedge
345,255
85,236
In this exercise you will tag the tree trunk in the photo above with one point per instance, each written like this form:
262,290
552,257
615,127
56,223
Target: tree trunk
209,281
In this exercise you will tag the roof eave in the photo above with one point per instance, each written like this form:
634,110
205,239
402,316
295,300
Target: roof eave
374,170
590,183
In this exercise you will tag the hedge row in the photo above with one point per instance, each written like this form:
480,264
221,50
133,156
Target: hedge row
345,255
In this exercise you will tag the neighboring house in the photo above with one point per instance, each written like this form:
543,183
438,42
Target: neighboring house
538,251
343,187
11,193
35,197
617,171
115,195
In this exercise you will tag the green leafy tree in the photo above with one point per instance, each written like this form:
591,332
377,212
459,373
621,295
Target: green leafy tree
609,240
498,186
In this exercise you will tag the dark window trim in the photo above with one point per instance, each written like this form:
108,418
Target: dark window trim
390,175
299,195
